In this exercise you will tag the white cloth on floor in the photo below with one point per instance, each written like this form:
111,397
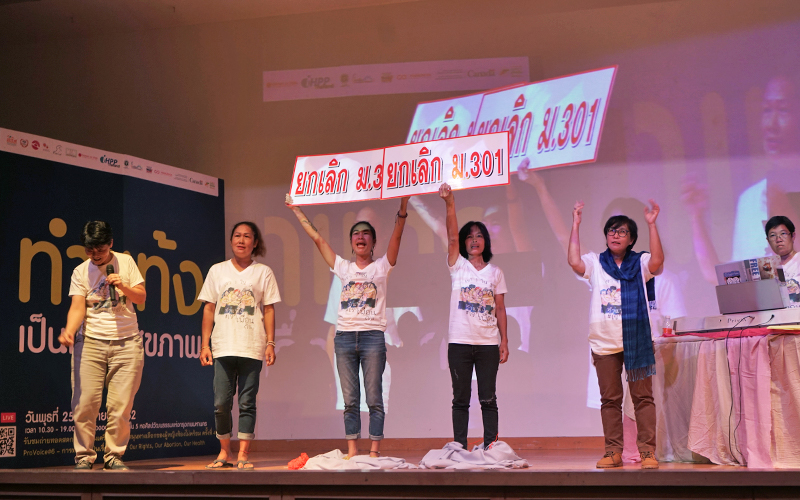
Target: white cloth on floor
453,456
334,460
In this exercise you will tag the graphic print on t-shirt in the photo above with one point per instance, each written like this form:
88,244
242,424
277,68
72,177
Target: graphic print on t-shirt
238,303
611,301
794,292
359,297
98,298
477,301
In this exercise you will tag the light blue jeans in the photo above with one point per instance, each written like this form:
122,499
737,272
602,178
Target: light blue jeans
367,349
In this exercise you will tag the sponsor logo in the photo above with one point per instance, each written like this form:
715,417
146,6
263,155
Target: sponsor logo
213,186
320,82
59,149
386,77
344,78
126,163
480,74
8,418
195,181
88,157
136,167
166,173
23,143
149,169
35,145
181,177
364,79
11,140
45,147
72,152
113,162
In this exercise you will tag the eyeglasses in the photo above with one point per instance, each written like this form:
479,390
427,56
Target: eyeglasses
782,235
619,232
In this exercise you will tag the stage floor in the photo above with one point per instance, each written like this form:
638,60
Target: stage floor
553,474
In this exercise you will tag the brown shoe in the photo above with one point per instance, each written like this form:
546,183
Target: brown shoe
649,460
610,459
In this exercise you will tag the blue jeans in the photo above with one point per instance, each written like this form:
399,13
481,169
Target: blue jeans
486,361
367,349
230,371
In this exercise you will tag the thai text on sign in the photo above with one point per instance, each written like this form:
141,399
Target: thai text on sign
406,170
550,123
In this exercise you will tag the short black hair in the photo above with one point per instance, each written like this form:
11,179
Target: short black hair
622,220
96,233
370,228
258,244
464,233
778,220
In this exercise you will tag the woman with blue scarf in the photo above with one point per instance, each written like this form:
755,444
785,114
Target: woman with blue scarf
619,328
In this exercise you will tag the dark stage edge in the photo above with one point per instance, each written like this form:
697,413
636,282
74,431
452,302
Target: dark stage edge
554,475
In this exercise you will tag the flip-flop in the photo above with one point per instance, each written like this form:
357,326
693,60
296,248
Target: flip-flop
225,464
240,465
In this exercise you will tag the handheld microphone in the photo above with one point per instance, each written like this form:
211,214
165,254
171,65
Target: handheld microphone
112,290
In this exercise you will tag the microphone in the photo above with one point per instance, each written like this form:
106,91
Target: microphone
112,290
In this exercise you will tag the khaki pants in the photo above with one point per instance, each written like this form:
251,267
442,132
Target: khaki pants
609,378
116,364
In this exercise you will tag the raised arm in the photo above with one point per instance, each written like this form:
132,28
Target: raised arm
549,207
324,248
397,234
656,252
574,250
695,198
451,222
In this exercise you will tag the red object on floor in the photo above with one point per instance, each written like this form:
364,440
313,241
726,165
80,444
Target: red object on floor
299,462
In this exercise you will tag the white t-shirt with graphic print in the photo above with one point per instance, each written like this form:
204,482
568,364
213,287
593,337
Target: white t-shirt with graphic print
605,306
791,271
106,319
239,299
473,317
362,303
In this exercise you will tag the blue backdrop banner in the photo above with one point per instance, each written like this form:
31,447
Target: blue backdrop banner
173,234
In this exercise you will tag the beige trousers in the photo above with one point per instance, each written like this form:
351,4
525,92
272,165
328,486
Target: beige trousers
116,364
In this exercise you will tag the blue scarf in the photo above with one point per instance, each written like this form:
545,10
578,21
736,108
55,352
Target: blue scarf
637,344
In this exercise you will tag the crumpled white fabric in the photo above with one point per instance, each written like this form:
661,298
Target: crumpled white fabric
453,456
334,460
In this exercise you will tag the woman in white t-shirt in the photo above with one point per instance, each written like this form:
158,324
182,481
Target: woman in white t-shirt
619,327
240,295
477,334
361,320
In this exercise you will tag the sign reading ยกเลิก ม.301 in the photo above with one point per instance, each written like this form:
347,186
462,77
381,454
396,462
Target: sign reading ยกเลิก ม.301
405,170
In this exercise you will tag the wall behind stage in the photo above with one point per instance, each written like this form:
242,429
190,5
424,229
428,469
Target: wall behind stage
44,205
684,127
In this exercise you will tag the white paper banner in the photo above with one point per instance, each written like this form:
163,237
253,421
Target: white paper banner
463,162
97,159
337,178
394,78
551,123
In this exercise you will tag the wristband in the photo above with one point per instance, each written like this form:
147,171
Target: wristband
205,347
270,342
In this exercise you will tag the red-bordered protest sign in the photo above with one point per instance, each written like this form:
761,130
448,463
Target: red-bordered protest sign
405,170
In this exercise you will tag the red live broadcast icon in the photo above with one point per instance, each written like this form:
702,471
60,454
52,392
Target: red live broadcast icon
8,418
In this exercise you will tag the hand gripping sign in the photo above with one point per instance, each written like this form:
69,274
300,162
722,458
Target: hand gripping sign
462,162
337,178
410,169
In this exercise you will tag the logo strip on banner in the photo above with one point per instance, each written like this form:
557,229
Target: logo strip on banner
394,78
405,170
96,159
550,123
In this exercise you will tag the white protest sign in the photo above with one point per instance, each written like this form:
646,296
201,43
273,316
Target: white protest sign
337,178
462,162
550,123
